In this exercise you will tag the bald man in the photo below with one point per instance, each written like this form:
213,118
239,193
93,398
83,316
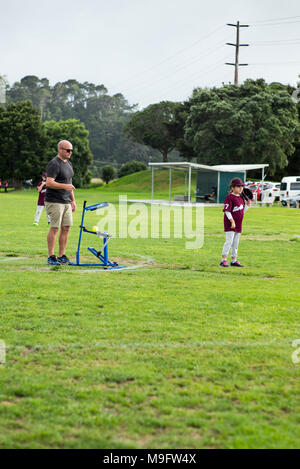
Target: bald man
60,201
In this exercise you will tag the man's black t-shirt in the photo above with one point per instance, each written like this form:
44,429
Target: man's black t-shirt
63,173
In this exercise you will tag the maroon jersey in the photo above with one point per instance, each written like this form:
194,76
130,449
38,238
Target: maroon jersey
235,205
42,194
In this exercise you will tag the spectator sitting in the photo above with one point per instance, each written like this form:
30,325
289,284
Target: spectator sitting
211,196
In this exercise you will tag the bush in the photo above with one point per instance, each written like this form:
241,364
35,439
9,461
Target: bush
108,173
131,167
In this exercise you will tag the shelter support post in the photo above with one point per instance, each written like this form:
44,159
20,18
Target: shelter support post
170,184
190,179
152,191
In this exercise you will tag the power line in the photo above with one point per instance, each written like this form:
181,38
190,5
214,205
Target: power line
275,24
277,41
270,44
171,56
274,19
224,80
203,72
276,63
183,65
178,68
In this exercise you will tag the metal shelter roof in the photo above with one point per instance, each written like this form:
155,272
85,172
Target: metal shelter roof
238,167
195,166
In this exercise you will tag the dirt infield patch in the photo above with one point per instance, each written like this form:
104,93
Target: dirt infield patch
125,262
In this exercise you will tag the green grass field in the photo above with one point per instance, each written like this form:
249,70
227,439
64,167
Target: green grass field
140,185
176,354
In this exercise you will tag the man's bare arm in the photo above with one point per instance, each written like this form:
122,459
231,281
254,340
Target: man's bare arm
73,202
52,184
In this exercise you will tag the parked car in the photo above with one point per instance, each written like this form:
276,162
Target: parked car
256,188
290,186
292,201
272,189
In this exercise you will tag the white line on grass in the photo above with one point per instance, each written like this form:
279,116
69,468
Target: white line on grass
12,258
101,269
146,258
147,345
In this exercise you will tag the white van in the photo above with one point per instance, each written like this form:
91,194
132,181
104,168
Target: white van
289,187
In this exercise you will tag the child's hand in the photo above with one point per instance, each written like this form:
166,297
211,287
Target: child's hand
232,224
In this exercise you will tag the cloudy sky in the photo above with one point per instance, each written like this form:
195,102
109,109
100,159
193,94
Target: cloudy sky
149,50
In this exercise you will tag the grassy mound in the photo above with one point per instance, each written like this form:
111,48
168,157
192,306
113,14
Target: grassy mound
141,182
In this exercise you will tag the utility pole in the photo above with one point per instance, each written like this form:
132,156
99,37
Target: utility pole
237,46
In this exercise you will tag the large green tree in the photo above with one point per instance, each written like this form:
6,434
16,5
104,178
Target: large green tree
177,129
103,115
74,131
23,142
152,127
293,168
252,123
32,88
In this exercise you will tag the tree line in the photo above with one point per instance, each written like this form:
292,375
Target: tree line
27,145
253,123
104,116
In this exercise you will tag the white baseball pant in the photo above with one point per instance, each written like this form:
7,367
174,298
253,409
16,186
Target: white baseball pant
38,214
231,241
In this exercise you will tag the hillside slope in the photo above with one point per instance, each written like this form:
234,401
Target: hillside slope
141,183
